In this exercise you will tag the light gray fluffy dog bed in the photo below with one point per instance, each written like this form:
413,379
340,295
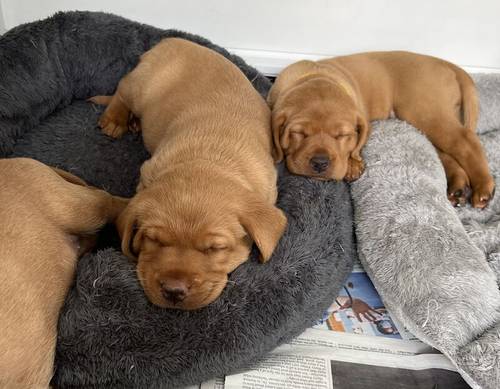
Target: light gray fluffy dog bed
436,267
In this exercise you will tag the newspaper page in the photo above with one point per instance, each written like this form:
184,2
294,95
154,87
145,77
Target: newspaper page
357,344
216,383
349,361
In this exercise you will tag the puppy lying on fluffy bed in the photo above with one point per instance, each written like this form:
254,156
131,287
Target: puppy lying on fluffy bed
322,110
209,189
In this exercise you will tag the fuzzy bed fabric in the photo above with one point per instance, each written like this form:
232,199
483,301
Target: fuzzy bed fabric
110,336
436,267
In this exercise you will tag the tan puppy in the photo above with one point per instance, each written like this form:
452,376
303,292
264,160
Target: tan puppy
42,217
209,189
321,114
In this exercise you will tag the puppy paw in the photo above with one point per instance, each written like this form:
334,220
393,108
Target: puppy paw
459,191
354,170
111,126
482,194
458,196
134,123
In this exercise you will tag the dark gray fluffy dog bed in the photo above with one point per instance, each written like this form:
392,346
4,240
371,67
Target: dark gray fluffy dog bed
110,335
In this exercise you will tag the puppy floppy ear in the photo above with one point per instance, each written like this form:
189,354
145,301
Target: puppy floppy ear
265,223
130,234
363,128
281,134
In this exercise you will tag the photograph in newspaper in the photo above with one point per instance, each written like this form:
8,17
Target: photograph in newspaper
348,375
358,309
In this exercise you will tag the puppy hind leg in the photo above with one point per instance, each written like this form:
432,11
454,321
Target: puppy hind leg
114,120
100,100
450,136
118,116
458,190
81,210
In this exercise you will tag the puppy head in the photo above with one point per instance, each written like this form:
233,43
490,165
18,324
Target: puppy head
318,124
187,242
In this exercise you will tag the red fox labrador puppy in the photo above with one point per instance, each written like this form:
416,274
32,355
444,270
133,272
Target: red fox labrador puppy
44,214
321,114
209,189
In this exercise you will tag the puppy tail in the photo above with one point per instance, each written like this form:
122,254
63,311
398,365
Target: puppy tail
470,100
100,100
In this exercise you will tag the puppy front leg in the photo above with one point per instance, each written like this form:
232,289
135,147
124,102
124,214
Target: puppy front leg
355,168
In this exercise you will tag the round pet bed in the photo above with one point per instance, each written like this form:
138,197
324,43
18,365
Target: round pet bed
109,334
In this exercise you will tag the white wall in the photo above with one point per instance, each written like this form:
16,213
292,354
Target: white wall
2,23
270,33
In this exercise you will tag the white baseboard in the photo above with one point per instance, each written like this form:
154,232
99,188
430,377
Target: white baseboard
271,63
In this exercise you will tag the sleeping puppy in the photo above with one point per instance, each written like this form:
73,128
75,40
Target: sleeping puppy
209,189
48,218
321,112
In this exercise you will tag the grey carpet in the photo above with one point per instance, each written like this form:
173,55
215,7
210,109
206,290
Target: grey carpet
110,336
436,267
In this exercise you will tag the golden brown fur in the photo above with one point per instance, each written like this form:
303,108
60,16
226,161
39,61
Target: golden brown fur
321,114
44,212
209,188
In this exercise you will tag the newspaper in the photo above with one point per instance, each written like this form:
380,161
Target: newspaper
357,344
216,383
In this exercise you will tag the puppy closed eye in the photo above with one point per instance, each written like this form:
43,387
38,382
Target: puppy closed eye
297,136
152,241
215,249
343,136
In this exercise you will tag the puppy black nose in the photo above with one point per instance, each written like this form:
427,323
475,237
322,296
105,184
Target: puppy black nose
319,163
174,291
